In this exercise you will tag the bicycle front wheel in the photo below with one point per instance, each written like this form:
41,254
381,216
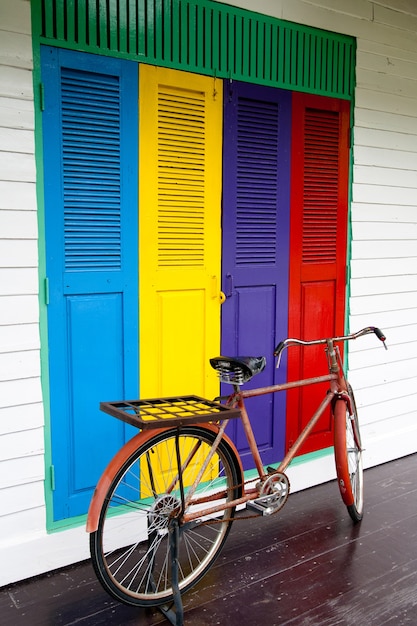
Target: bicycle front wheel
348,456
130,549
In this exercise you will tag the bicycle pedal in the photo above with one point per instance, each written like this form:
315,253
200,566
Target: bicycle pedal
266,505
274,492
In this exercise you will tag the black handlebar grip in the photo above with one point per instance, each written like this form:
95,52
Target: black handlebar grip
279,348
378,332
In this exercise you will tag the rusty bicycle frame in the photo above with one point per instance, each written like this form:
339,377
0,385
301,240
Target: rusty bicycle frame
337,389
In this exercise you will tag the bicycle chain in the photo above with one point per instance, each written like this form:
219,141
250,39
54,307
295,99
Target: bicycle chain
234,519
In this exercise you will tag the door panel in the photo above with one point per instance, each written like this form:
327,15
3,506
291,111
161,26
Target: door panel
180,171
182,335
319,202
95,317
257,124
257,303
90,176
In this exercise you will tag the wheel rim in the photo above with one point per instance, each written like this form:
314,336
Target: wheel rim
132,543
354,459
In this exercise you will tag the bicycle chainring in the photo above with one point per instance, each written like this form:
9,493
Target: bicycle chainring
278,486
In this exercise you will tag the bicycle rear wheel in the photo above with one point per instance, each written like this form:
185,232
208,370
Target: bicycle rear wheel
348,456
130,549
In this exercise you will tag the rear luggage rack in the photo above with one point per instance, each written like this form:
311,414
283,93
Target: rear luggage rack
175,411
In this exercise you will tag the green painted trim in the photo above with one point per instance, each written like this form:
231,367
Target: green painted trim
43,315
349,230
312,456
204,37
67,524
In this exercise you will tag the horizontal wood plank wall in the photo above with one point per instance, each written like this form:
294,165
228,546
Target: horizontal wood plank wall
384,231
22,500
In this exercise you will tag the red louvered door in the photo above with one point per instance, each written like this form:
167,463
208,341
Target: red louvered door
318,233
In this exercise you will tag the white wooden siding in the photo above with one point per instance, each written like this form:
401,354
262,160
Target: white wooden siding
384,228
22,499
383,269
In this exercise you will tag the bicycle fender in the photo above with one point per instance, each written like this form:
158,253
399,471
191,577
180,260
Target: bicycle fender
121,457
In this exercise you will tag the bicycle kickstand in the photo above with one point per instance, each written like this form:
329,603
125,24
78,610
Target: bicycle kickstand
176,618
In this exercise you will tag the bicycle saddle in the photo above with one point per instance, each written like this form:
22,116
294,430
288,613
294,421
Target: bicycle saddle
238,369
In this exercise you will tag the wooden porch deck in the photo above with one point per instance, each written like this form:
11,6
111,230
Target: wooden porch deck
306,566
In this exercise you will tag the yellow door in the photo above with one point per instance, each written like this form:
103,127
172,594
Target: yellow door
180,130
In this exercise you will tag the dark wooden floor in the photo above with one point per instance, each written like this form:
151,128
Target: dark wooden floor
308,566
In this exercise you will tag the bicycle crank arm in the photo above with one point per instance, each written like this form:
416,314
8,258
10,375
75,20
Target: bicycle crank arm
274,494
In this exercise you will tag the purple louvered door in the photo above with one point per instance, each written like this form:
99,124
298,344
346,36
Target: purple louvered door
256,248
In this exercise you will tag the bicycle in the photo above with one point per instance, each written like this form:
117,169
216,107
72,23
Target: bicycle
163,508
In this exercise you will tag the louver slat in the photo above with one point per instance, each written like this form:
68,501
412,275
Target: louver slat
91,171
181,178
256,201
321,185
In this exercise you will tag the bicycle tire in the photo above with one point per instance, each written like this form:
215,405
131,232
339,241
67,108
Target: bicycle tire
348,456
130,548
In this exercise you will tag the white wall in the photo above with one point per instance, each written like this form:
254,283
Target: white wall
25,545
383,268
22,508
384,226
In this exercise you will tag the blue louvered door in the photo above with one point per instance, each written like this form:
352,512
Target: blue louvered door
90,175
255,247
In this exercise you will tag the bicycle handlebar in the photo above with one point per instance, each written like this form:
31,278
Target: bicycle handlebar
365,331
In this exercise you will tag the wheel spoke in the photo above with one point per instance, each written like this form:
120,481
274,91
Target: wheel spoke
131,549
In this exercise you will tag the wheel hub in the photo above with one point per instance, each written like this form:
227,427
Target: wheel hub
164,508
